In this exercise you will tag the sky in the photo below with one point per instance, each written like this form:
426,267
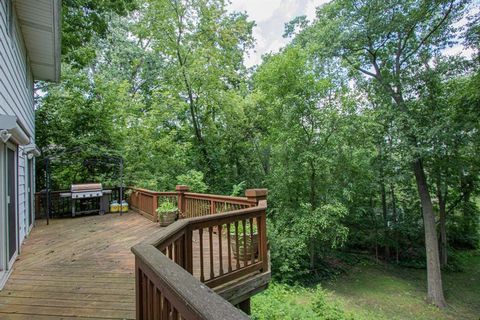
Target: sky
270,17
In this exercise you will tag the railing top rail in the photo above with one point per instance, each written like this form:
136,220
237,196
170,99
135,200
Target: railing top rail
220,218
217,197
155,193
164,234
198,301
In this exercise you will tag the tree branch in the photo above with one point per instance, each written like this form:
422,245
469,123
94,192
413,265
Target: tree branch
429,34
368,73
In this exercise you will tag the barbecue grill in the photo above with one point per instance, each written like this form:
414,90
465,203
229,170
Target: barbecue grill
87,192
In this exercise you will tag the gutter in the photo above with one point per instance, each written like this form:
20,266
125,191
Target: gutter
57,37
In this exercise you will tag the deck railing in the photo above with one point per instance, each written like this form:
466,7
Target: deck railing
166,291
189,204
146,201
178,265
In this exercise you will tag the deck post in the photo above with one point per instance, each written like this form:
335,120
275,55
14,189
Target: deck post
181,189
245,306
154,207
38,208
256,195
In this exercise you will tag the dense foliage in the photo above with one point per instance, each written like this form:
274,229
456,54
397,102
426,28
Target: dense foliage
362,128
281,302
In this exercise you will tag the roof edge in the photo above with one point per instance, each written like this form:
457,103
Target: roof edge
57,29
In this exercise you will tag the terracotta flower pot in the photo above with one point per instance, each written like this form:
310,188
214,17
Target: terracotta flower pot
251,246
167,218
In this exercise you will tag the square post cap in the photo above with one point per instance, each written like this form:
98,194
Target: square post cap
256,194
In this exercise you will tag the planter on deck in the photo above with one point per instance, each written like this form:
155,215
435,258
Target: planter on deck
167,218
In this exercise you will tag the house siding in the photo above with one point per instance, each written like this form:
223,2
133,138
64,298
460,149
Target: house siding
16,98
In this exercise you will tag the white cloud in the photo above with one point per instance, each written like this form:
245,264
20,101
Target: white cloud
258,10
311,8
288,10
258,35
276,45
459,50
270,17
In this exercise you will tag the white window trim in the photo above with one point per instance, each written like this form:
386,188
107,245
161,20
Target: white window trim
13,147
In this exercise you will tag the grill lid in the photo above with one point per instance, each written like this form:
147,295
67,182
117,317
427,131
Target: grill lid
83,187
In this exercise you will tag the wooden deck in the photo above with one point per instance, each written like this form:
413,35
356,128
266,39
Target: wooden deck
78,268
83,268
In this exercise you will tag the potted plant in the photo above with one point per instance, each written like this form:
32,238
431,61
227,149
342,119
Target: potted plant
167,213
247,245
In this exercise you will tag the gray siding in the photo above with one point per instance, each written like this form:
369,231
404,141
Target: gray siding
16,97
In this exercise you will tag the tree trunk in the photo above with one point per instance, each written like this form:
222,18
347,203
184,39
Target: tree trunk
383,193
193,109
385,221
312,254
313,186
395,219
313,203
434,275
374,222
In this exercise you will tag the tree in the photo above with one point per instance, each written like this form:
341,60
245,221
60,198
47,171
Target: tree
447,162
83,21
311,120
203,48
389,42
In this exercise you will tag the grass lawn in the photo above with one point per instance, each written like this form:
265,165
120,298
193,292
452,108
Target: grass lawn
379,292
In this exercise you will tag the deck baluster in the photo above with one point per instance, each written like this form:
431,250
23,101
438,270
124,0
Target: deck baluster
219,229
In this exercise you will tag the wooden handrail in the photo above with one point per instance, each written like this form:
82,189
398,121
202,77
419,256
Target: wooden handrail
151,192
166,291
231,199
175,243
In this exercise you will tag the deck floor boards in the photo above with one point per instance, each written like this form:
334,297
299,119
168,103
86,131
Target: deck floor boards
79,268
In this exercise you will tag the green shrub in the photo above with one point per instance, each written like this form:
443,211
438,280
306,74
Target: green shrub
293,234
281,301
327,310
194,180
238,189
278,302
166,206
